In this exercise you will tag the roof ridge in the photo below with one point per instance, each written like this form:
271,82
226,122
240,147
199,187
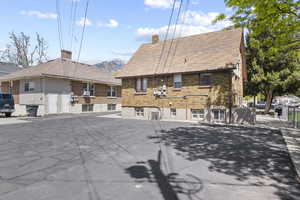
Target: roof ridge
195,35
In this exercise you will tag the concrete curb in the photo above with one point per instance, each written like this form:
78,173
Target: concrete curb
292,140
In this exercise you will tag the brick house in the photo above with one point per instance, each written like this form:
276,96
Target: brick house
63,86
201,78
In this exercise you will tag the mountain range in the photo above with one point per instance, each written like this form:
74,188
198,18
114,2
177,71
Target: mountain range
112,65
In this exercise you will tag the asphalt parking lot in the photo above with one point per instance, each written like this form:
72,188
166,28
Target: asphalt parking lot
85,157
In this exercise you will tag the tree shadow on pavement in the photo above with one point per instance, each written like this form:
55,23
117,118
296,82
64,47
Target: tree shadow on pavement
241,152
170,185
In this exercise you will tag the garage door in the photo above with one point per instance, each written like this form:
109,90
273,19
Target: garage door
52,103
65,103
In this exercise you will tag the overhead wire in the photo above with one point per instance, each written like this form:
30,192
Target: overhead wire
73,23
184,18
59,29
166,36
174,32
83,29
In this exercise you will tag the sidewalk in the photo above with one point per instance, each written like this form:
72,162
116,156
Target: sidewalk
290,135
292,139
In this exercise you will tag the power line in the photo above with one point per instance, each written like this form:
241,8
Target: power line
166,36
174,32
73,23
180,32
83,29
59,25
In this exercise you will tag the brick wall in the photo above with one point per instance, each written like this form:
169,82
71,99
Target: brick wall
218,93
16,91
100,94
5,87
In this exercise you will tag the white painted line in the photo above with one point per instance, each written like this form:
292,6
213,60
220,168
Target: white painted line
7,121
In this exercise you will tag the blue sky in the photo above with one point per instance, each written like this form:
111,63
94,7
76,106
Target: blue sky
115,28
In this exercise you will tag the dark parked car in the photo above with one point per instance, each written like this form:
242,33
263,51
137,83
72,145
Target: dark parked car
261,105
7,105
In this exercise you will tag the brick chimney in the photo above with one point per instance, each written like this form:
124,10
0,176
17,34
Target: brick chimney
66,54
155,39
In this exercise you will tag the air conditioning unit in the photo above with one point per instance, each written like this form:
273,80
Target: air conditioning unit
156,93
161,91
86,93
74,99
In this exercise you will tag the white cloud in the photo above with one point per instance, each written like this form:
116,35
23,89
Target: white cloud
195,2
195,23
82,20
39,14
200,18
123,53
159,3
112,23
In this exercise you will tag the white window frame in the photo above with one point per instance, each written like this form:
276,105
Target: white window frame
31,86
173,112
177,81
198,114
110,106
141,85
205,74
139,112
112,90
90,87
219,111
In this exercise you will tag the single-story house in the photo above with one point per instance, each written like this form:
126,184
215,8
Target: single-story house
63,86
198,77
7,68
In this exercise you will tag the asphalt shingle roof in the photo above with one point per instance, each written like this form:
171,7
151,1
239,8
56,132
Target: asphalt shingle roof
64,68
203,52
7,68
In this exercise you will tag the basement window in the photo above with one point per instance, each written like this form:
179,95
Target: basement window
173,112
205,79
177,81
141,85
197,114
111,107
87,107
29,86
139,112
219,115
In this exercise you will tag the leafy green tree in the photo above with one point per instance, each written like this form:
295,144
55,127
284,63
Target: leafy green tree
272,46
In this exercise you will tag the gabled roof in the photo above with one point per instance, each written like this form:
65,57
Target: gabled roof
203,52
64,68
7,68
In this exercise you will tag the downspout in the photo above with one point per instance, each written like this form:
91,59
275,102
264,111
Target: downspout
230,98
